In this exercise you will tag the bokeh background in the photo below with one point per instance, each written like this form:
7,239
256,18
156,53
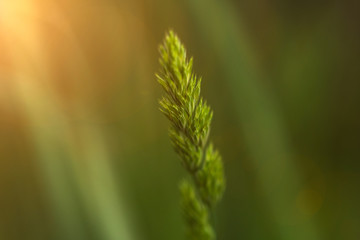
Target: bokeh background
84,151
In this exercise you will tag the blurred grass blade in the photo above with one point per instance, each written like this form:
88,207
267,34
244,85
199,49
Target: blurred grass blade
259,114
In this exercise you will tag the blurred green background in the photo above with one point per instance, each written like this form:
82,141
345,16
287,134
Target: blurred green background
84,151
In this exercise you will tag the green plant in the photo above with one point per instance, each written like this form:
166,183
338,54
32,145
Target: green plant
190,118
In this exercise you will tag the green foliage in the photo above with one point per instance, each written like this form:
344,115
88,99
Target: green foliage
190,118
195,214
210,179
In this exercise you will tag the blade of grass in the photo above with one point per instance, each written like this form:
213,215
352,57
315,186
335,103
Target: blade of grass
259,113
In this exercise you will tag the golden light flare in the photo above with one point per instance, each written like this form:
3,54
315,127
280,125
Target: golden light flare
75,50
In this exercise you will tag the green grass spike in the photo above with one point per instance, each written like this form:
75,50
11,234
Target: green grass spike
190,118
